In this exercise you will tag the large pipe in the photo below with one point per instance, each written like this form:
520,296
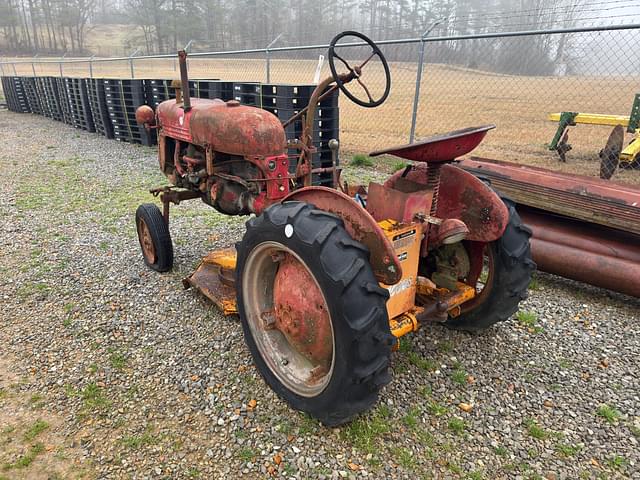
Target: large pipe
585,252
184,80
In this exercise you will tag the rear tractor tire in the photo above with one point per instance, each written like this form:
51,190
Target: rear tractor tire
154,238
312,312
509,272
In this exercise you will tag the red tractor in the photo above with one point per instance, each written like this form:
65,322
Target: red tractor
325,284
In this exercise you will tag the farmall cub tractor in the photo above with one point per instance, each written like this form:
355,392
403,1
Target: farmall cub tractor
325,285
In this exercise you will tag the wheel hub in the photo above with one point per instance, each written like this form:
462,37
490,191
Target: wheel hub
146,242
300,312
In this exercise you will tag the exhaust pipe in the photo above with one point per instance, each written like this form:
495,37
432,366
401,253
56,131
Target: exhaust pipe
184,80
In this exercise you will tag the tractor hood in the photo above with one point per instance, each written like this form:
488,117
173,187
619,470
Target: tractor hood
228,127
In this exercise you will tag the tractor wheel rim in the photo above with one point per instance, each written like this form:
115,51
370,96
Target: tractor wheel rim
288,318
146,242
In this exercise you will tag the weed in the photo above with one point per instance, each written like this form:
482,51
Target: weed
436,409
136,441
446,346
398,166
67,322
36,429
475,475
27,459
411,418
529,320
246,454
365,430
635,430
457,425
617,462
425,391
193,472
609,413
361,160
93,368
534,283
422,363
404,457
405,345
565,363
535,430
567,450
307,425
501,451
36,401
459,376
93,397
118,360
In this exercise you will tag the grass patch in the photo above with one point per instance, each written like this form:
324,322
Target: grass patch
361,160
411,418
365,431
404,457
436,409
445,347
609,413
422,363
528,320
93,397
617,462
567,450
535,430
136,441
36,429
118,360
457,425
501,451
246,454
27,459
459,376
398,166
307,425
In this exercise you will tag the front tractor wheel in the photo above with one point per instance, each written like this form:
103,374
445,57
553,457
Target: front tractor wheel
504,269
312,312
154,238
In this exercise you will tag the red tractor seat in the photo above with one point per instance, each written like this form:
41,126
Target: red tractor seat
440,148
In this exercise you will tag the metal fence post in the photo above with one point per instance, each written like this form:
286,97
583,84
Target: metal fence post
33,65
1,69
131,61
416,98
91,66
269,57
61,59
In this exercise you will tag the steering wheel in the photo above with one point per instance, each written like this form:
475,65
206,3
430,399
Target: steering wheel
356,72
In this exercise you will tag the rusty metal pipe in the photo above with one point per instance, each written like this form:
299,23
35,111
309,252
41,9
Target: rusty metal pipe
585,252
184,80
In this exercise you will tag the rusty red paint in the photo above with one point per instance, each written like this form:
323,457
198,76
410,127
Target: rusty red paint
590,199
225,126
463,196
300,312
583,251
385,203
360,225
440,148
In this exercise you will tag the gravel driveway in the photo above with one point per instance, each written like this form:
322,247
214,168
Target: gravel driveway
109,370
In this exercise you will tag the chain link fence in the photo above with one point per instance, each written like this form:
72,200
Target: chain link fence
513,80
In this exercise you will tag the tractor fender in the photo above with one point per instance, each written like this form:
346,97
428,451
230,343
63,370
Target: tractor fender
465,197
360,225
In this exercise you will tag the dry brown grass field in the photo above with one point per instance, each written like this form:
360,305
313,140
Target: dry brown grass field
450,98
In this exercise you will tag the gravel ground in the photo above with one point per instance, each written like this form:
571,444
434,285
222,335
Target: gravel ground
109,370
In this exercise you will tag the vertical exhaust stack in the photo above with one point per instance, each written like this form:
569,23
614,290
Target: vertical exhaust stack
184,80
